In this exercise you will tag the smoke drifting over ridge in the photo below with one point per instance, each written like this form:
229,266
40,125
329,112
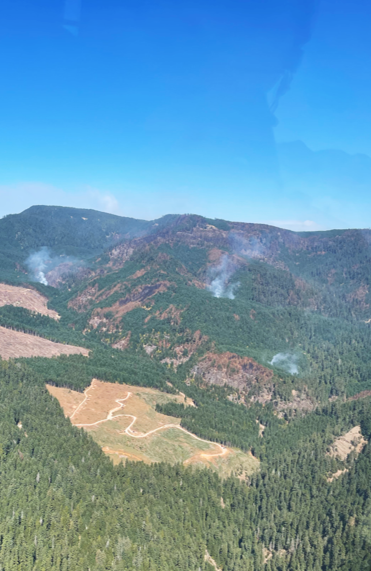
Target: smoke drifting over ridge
251,247
219,277
287,362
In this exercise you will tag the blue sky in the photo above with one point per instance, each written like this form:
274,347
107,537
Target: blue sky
253,110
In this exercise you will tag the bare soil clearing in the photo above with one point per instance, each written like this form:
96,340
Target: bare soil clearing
124,422
123,343
210,560
337,475
344,445
68,399
261,429
15,344
27,298
363,394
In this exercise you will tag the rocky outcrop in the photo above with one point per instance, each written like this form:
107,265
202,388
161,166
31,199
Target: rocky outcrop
241,373
123,343
184,351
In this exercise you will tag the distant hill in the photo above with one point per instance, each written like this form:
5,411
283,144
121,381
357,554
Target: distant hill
69,231
334,265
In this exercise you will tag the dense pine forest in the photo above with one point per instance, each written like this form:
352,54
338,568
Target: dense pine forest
65,506
261,327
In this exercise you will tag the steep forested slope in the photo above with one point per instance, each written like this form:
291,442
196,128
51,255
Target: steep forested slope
268,331
186,288
65,231
64,506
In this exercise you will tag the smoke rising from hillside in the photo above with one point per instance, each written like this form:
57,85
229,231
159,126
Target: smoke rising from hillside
37,264
287,362
219,277
48,269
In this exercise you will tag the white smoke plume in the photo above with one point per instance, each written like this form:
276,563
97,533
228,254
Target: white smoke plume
287,362
252,247
49,269
219,277
37,264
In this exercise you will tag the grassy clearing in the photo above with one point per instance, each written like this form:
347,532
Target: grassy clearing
107,410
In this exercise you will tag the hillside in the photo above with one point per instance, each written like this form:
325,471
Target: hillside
74,234
266,332
124,422
284,299
294,307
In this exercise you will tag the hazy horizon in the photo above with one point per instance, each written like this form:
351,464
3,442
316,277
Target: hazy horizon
237,220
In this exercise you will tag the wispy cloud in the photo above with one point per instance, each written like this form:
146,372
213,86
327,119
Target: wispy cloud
104,201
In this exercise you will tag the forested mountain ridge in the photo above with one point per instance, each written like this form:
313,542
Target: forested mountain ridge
77,232
294,304
336,259
266,330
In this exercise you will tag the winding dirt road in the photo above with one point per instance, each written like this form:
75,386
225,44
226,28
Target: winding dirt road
129,432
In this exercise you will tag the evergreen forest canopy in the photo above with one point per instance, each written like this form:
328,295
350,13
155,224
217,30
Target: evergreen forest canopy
258,325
